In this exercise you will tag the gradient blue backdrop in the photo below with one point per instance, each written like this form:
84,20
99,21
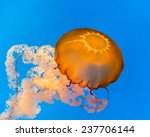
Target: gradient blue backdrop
38,22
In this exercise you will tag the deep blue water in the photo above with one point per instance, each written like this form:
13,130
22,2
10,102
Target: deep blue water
39,22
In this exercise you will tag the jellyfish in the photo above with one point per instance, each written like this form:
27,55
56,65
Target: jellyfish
88,58
83,60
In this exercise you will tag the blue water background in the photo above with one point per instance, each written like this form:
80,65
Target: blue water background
39,22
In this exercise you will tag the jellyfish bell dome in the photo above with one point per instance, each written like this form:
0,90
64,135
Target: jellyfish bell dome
88,58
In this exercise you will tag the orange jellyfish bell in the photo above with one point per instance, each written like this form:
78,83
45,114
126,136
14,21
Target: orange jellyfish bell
88,58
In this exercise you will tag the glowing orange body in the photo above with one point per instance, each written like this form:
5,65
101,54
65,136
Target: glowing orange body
88,58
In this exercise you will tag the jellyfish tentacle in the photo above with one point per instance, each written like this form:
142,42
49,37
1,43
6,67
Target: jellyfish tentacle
107,91
38,91
68,85
10,114
55,67
94,109
91,93
16,63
